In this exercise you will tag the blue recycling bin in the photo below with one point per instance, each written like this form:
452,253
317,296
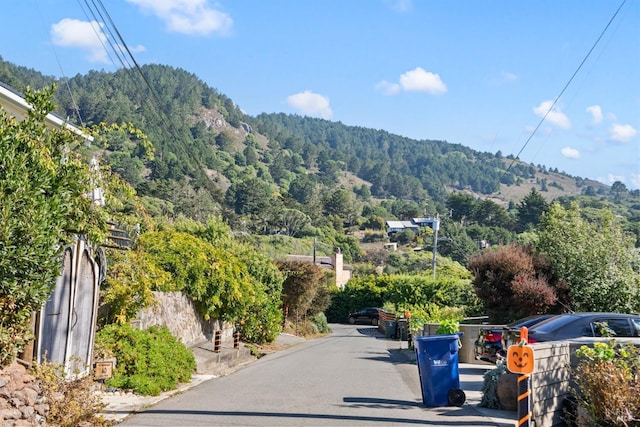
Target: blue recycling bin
437,357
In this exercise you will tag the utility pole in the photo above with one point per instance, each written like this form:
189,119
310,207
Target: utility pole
436,227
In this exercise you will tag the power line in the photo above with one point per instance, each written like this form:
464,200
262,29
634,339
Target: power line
555,101
167,124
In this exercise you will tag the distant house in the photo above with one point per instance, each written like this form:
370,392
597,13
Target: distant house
397,226
343,272
392,246
424,222
413,225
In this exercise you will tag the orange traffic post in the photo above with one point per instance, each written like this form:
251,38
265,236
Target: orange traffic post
217,341
236,340
520,360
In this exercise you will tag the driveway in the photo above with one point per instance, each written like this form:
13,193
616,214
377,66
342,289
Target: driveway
353,377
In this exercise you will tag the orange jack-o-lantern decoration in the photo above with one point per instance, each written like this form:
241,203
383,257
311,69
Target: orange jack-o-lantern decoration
520,359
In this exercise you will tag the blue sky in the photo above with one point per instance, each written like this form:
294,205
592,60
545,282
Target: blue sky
478,73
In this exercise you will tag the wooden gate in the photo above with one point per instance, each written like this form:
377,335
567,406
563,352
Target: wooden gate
66,329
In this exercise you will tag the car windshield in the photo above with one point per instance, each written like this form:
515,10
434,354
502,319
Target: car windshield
527,321
553,323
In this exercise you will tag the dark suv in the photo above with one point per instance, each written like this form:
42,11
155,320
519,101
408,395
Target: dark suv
368,315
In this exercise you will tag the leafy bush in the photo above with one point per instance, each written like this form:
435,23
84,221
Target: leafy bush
448,327
227,279
512,282
71,402
608,384
359,292
426,298
43,183
148,362
130,281
263,320
320,322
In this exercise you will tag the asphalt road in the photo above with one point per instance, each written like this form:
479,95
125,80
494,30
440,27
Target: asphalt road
349,378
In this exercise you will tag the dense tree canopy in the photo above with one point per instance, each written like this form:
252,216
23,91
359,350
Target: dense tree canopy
595,258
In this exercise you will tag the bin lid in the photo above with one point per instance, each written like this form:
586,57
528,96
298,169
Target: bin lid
437,337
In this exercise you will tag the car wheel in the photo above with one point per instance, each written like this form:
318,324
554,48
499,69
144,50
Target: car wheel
374,322
352,321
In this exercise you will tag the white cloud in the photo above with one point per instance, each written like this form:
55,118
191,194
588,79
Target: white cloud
635,180
570,153
554,116
388,88
596,114
622,133
419,80
192,17
85,35
416,80
311,104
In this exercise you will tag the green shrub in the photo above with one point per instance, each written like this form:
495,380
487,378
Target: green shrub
320,322
263,321
359,292
448,327
148,362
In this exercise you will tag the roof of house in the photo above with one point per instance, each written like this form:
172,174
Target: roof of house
321,261
18,107
401,224
423,220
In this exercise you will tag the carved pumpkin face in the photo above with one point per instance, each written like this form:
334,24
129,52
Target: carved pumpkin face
520,359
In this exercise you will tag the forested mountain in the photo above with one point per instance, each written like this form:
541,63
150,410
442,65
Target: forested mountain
285,173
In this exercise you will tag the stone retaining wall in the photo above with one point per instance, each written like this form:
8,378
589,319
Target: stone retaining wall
179,314
21,403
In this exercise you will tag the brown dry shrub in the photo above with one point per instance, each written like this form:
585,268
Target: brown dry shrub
609,386
72,402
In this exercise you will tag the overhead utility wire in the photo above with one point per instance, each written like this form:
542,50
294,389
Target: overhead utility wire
154,95
74,103
555,101
168,119
115,46
94,18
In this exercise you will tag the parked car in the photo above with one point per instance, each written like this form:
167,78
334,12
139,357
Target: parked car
369,315
489,346
575,325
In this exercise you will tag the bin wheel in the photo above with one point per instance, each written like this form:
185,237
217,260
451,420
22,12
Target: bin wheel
456,397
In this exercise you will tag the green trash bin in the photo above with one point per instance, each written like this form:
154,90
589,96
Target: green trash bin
390,328
403,327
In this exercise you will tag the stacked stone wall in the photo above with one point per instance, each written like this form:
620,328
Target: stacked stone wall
179,314
21,400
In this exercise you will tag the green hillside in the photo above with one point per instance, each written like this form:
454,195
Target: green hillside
287,174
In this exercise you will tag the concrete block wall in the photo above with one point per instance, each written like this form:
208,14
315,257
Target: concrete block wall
469,336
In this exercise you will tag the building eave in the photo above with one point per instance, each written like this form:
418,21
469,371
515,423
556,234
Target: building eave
19,108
